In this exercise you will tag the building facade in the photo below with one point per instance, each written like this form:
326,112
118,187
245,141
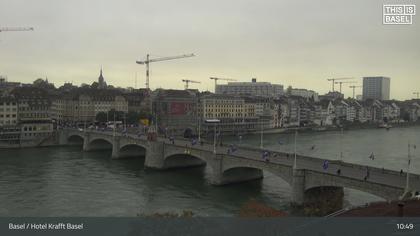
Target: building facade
175,112
8,111
254,88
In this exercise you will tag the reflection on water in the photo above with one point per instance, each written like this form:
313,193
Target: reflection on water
68,182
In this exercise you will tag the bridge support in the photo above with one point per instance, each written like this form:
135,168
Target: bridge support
115,148
155,156
86,142
298,187
323,200
318,201
62,138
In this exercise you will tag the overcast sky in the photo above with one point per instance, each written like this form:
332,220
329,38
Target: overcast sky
295,42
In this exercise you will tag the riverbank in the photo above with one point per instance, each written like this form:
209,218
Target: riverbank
358,126
407,208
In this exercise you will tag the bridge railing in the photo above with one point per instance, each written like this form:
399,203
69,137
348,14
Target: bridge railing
288,156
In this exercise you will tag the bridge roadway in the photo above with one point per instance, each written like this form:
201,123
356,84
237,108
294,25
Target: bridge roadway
249,164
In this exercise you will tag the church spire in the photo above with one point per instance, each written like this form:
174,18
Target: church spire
101,81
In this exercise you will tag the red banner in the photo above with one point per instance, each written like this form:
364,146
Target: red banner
178,108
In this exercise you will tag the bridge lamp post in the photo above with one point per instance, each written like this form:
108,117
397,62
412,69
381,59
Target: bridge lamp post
341,145
214,122
199,129
262,129
114,126
262,136
295,162
407,182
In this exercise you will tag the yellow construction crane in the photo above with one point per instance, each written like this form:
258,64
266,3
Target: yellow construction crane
148,61
344,82
216,79
334,79
354,87
187,81
16,29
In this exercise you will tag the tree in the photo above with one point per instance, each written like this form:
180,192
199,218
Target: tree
133,117
101,117
289,90
95,85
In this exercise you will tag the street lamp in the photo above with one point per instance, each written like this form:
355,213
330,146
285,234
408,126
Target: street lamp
295,162
199,130
214,122
341,145
262,136
407,182
114,126
262,118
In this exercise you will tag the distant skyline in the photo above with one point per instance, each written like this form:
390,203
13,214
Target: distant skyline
298,43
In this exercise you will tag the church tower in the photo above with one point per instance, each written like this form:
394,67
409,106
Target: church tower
101,81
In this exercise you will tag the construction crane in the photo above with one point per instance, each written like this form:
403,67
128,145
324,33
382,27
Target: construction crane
216,79
187,81
344,82
417,93
16,29
334,79
148,61
354,87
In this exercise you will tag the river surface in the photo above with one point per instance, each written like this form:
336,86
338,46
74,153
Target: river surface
64,181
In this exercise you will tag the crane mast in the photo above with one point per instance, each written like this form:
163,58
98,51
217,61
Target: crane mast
148,61
216,79
344,82
333,82
354,87
187,81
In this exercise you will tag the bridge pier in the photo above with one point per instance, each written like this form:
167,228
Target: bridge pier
155,156
323,200
86,142
115,148
298,187
62,138
317,201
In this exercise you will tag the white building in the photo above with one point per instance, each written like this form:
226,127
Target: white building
308,94
254,88
8,111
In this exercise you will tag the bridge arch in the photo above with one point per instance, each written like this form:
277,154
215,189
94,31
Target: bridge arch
317,180
132,150
75,139
183,159
98,143
283,172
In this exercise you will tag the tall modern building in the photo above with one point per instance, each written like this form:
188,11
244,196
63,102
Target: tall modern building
254,88
376,87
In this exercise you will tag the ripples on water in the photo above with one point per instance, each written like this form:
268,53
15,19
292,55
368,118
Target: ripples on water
65,181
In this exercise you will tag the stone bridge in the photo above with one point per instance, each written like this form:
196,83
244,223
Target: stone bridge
309,182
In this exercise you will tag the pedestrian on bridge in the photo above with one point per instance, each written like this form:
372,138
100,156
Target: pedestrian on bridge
325,165
367,172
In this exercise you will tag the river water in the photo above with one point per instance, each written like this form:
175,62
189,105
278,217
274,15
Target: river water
64,181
